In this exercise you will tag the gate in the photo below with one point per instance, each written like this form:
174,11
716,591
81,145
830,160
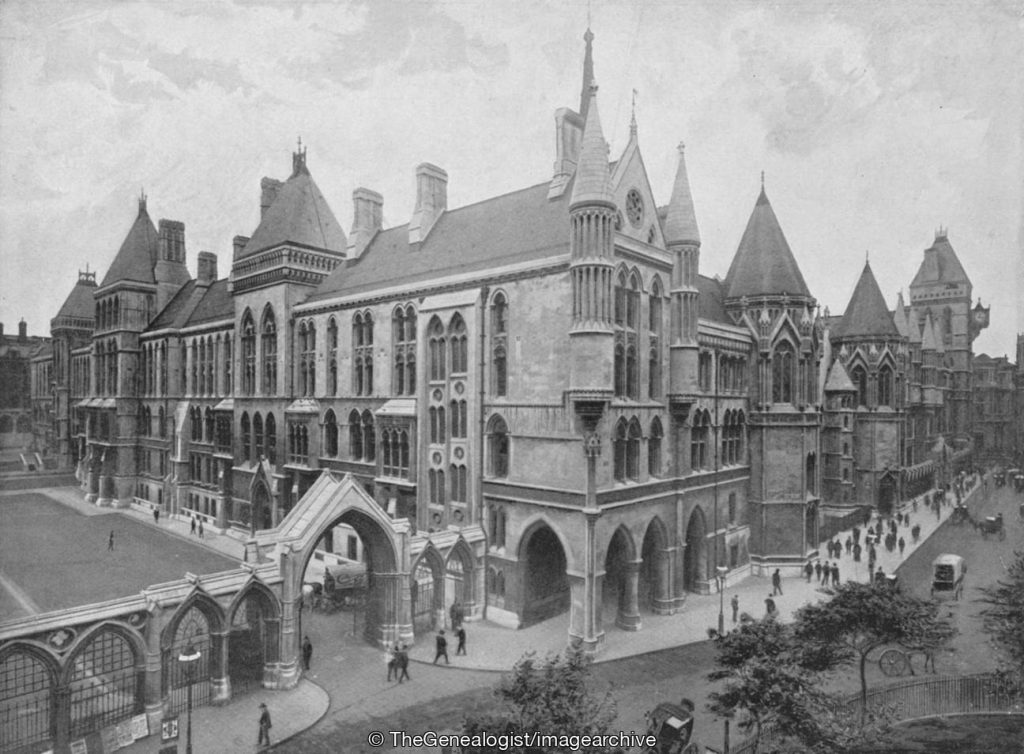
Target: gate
423,613
193,630
104,684
245,647
26,702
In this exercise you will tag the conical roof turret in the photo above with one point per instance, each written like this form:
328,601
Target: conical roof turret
928,340
764,264
137,256
867,313
838,380
592,184
680,219
899,316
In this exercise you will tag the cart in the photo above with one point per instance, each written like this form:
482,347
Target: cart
948,576
672,726
895,662
992,525
960,515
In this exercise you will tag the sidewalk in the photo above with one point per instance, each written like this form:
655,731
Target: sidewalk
494,648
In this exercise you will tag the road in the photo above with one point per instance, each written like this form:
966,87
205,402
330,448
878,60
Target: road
439,698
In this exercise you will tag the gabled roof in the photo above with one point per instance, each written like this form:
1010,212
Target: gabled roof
518,227
763,263
838,380
215,304
178,309
867,313
711,300
80,303
299,215
137,256
940,265
680,219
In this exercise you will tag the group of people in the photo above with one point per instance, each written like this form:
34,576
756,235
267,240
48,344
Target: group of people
397,657
825,573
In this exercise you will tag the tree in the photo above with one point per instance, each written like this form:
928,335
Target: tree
860,618
1003,616
552,696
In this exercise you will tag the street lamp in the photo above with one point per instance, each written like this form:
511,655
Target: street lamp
721,571
189,658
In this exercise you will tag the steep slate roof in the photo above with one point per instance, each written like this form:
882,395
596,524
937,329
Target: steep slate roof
838,380
517,227
215,304
899,317
80,303
711,299
867,313
298,215
593,180
176,313
680,219
763,263
940,264
137,256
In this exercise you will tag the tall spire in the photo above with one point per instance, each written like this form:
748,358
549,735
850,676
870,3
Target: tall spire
592,178
681,221
588,72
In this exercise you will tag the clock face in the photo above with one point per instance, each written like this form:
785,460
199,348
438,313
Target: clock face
979,316
634,208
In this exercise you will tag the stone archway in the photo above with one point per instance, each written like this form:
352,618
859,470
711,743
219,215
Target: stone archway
460,578
426,591
887,489
655,584
198,623
545,583
619,588
28,697
254,638
695,569
262,507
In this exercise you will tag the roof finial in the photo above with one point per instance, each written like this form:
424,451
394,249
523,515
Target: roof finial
588,70
632,117
681,147
588,15
762,180
867,257
142,200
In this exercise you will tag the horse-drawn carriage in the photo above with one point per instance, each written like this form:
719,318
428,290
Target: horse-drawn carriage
672,727
343,587
992,525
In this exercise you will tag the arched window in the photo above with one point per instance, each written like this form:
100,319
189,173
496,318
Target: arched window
369,437
458,415
332,357
246,436
457,474
699,431
885,394
330,434
627,319
403,323
859,376
458,342
619,451
268,342
162,419
271,429
208,425
499,345
355,436
257,434
437,350
633,450
307,358
497,447
783,364
362,350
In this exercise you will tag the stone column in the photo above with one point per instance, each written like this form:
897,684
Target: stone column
92,486
628,617
153,678
664,602
394,609
271,653
106,482
291,604
220,677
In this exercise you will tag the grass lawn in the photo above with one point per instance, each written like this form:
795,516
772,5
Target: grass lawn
59,558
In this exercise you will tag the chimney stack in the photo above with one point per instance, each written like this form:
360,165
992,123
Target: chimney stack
268,193
431,200
171,241
368,216
239,243
1,329
206,272
22,331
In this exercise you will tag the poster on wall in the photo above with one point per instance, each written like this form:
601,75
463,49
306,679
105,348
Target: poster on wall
79,747
140,726
169,729
108,739
124,733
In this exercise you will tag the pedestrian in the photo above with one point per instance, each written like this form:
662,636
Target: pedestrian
817,570
769,607
849,545
916,532
856,553
856,535
902,544
110,542
808,571
456,614
825,572
915,505
307,652
192,530
264,739
200,528
460,634
156,515
391,658
735,602
835,574
879,576
441,648
402,663
776,582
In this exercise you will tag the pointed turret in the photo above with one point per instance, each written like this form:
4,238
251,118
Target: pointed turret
764,264
588,73
592,184
899,317
867,312
838,380
138,253
929,341
681,220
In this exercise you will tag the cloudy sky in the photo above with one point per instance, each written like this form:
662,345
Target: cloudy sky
875,122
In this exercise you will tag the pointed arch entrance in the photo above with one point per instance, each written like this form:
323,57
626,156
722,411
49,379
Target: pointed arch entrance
254,637
459,578
887,493
619,588
545,584
426,592
695,565
197,624
655,587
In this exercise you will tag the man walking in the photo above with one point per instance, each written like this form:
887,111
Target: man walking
456,614
403,663
460,634
735,602
156,515
110,542
776,583
769,607
441,648
307,652
817,570
808,571
391,658
200,528
192,529
835,574
264,739
902,544
825,571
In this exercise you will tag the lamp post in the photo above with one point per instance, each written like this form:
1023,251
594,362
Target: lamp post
189,657
721,571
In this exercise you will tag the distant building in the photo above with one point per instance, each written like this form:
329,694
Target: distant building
18,410
995,428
